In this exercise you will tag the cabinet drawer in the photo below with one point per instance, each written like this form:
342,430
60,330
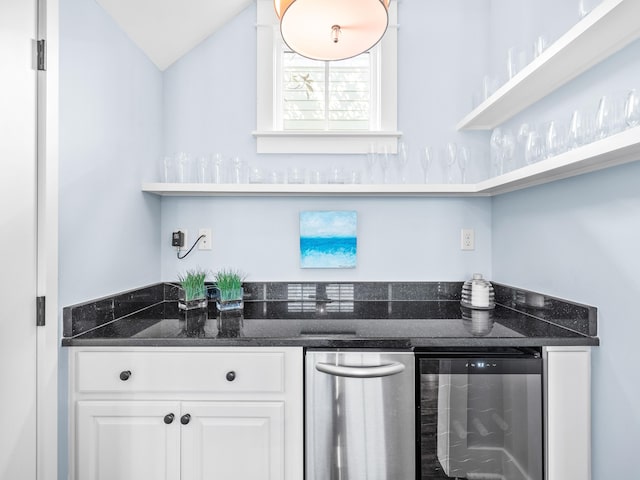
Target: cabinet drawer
219,372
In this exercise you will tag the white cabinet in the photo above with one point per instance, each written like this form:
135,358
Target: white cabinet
186,414
229,441
568,413
123,440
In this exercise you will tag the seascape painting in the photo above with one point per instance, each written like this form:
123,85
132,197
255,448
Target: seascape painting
328,239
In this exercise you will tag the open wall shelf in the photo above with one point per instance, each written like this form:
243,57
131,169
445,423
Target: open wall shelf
611,26
614,150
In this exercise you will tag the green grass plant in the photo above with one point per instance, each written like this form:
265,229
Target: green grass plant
229,282
192,283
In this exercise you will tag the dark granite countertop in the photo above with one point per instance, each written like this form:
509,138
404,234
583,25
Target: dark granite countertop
149,317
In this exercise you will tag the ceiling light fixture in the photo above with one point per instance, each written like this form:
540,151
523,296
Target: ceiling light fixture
332,29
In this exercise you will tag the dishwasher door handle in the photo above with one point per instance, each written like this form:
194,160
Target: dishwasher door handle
360,372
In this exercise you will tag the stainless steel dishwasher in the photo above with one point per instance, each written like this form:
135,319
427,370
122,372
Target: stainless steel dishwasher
360,415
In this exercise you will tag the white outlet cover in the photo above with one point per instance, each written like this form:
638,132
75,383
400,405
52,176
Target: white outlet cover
207,242
467,239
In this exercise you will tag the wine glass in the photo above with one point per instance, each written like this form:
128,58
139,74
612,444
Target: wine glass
384,163
462,156
603,120
370,164
496,152
426,158
534,151
521,145
508,150
402,158
452,151
632,109
576,133
552,139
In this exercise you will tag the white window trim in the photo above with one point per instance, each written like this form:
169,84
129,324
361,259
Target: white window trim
271,140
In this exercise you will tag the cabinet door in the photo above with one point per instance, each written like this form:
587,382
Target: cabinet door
119,440
568,373
233,441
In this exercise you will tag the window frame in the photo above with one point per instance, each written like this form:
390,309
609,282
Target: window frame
272,139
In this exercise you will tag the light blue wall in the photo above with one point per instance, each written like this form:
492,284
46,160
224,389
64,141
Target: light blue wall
110,139
573,239
210,106
398,239
576,239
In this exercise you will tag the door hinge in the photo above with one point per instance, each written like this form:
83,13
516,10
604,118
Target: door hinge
40,311
42,55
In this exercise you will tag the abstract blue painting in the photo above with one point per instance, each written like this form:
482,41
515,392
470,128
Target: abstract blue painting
328,239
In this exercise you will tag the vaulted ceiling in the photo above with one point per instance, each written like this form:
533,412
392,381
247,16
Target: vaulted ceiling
167,29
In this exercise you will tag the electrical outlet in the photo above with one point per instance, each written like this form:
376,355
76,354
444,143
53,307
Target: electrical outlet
185,245
205,243
467,239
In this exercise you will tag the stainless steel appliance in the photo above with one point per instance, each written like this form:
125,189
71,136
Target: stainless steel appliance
360,415
481,415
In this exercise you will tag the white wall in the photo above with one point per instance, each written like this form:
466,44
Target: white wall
210,106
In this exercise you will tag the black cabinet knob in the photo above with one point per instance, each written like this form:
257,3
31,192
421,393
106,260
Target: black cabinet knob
124,375
231,376
168,419
185,419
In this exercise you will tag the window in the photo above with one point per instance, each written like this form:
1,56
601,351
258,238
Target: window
308,106
316,95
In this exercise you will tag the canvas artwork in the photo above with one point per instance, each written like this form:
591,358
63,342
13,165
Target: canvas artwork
328,239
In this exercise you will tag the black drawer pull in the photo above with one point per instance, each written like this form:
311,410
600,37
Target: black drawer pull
168,419
124,375
185,419
231,376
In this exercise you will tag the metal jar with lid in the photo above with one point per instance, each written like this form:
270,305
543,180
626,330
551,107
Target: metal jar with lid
477,293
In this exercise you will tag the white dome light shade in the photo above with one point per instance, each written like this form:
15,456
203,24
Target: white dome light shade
332,29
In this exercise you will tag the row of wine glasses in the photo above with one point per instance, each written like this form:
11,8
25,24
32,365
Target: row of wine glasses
453,160
380,160
532,143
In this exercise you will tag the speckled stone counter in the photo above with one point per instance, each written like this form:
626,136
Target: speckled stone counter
335,315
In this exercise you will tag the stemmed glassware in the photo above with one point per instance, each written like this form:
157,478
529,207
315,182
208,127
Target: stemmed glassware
632,109
402,158
370,164
495,145
602,125
452,151
384,163
426,158
535,150
463,161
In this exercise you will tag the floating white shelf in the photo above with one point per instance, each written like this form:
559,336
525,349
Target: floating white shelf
615,150
608,28
371,190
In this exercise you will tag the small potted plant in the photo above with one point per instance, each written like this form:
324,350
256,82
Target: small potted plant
192,299
229,286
